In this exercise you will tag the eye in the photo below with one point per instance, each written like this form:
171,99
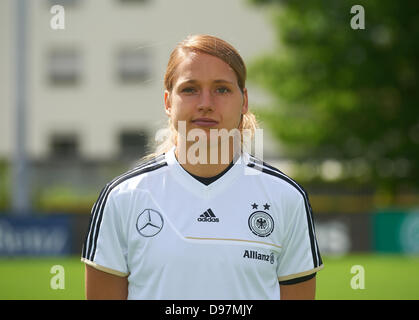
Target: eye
188,90
223,90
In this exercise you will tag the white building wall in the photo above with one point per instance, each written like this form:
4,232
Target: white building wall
6,79
100,106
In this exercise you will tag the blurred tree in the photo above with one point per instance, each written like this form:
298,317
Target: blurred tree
345,94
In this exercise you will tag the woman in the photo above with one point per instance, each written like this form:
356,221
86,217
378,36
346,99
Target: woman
202,219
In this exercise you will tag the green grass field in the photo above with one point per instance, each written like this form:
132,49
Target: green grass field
386,277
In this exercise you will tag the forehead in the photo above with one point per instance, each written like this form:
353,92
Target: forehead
203,67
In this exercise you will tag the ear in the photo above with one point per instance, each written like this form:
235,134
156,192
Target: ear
245,106
167,104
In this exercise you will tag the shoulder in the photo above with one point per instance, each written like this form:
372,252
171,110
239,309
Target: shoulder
275,178
132,178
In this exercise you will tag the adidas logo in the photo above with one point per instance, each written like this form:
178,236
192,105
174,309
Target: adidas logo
208,216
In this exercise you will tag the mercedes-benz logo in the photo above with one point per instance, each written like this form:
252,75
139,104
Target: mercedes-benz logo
149,223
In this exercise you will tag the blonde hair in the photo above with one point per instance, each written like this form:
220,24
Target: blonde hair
218,48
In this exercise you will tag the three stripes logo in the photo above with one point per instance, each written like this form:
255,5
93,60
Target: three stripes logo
208,216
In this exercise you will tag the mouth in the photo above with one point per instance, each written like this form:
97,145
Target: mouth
205,122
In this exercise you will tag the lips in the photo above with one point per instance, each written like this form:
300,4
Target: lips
205,122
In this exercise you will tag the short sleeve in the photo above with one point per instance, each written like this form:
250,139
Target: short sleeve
300,256
105,247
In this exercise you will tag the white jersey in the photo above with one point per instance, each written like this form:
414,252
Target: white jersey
177,238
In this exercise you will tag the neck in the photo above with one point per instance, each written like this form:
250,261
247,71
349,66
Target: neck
204,162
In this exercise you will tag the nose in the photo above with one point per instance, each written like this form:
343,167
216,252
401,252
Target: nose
206,102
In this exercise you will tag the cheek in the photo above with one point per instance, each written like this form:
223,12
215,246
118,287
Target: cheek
185,108
174,108
180,112
233,114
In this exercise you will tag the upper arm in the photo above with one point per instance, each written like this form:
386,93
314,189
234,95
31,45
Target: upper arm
305,290
102,285
104,251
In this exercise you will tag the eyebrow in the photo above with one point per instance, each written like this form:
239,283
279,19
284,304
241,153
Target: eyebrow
192,81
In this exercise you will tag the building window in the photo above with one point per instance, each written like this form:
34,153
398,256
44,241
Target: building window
64,146
133,144
64,67
63,3
134,64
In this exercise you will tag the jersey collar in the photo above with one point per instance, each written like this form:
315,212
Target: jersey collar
195,186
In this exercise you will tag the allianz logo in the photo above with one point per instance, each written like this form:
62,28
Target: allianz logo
252,254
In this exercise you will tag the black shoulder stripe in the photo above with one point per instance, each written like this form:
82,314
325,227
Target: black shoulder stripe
317,260
89,248
259,162
152,161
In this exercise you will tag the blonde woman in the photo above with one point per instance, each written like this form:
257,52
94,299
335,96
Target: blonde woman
202,218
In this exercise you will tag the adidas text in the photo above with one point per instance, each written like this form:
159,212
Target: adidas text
208,219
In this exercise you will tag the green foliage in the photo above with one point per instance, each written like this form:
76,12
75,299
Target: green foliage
346,94
64,199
